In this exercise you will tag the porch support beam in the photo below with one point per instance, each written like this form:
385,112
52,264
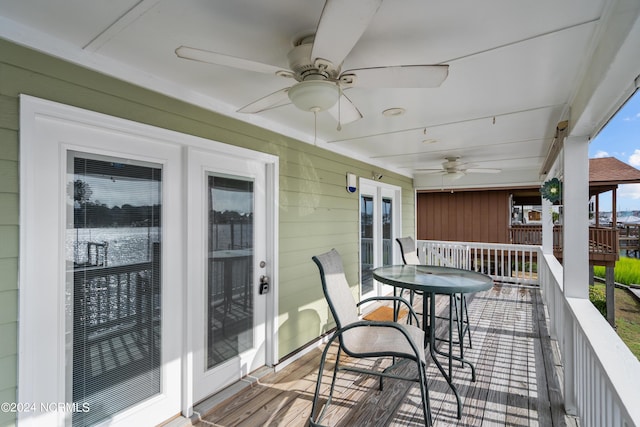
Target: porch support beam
575,251
610,288
547,227
575,197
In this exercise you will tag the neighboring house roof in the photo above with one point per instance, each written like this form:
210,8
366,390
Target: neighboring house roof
611,171
606,173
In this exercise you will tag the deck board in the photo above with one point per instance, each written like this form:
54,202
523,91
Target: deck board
516,383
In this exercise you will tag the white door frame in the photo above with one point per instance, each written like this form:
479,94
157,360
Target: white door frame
379,190
42,375
272,188
201,164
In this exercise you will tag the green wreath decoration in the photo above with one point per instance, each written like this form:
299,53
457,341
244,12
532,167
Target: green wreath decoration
552,190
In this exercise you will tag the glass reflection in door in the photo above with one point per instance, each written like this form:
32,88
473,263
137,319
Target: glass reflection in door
387,231
113,252
366,243
230,268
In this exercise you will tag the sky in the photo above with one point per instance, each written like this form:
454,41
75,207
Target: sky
620,138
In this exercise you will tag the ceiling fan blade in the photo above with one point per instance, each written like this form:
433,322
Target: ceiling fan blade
341,24
345,111
209,57
430,171
273,100
401,76
471,170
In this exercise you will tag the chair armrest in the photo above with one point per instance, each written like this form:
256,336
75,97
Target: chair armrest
378,323
412,312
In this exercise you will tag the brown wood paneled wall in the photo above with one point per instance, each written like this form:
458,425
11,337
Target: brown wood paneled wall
468,216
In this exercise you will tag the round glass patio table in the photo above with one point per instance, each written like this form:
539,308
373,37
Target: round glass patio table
432,280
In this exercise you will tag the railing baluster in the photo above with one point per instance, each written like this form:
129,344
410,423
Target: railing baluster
111,295
501,261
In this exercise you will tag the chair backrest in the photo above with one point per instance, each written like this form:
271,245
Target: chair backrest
336,288
408,250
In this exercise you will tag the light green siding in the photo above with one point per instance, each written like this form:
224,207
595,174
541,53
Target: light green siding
316,212
8,246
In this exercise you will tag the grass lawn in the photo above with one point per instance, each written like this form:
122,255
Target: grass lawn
627,318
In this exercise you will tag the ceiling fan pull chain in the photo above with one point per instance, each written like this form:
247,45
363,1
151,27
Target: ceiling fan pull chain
339,128
315,128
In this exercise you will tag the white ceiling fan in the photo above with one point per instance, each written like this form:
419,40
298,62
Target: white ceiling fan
453,168
315,62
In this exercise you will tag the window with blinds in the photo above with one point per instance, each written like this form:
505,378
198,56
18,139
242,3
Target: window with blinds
113,247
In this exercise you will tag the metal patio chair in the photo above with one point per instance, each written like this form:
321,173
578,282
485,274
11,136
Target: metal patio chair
366,338
409,256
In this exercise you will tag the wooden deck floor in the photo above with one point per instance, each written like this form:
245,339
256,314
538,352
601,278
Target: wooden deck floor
517,379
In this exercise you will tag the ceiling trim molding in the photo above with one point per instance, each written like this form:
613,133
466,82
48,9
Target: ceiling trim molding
129,17
608,80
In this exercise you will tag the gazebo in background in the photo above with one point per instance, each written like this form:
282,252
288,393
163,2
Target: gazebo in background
605,174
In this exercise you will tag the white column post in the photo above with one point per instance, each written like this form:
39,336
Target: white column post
575,198
575,249
547,227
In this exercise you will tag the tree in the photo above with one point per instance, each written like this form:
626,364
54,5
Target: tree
81,191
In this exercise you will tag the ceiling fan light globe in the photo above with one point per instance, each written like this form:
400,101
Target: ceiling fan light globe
455,175
314,95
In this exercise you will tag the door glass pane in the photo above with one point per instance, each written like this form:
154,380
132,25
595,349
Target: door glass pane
230,269
113,243
387,232
366,242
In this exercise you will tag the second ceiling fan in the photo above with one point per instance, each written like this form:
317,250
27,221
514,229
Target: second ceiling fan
315,62
453,168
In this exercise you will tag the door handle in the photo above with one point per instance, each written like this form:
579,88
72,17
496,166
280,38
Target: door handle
264,285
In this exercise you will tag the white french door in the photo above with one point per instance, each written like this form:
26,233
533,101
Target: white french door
147,264
380,225
98,281
228,269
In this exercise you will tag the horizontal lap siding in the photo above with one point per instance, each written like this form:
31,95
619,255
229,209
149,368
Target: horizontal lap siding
316,213
9,202
468,216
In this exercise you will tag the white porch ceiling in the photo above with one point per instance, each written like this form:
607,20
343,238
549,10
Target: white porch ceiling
515,68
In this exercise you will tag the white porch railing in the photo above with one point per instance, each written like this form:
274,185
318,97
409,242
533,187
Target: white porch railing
601,375
503,262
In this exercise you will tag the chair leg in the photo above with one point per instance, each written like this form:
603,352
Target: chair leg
459,325
412,296
424,392
316,395
463,318
397,305
466,314
335,374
